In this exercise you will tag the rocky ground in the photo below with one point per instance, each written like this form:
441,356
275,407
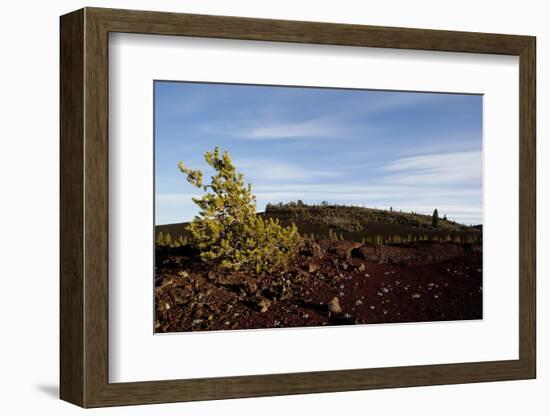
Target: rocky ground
329,283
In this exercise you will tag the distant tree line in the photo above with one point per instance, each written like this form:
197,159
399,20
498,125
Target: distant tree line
354,219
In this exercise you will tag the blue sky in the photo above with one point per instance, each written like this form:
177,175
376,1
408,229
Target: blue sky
412,151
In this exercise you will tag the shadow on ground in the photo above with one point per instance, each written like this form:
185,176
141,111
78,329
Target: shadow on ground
51,390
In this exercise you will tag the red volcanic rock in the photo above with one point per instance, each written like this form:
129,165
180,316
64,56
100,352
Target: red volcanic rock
417,282
414,254
343,249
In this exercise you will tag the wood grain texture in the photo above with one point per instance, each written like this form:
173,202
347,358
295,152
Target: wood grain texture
71,208
84,207
225,27
96,219
527,207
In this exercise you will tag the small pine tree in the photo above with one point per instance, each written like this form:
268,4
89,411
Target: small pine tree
435,218
228,231
160,239
167,239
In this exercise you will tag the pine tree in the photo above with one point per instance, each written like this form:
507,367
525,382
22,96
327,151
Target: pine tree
160,239
435,218
227,231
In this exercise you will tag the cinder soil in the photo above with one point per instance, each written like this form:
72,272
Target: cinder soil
415,282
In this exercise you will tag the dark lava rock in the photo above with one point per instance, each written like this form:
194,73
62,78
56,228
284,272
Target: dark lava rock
413,254
384,254
343,249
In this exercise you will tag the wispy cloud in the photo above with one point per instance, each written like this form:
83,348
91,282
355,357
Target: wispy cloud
310,128
444,168
260,170
338,125
273,129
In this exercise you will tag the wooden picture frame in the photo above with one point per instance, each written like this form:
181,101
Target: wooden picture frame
84,207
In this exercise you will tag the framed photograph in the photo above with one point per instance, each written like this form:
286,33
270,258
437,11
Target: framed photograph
254,207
